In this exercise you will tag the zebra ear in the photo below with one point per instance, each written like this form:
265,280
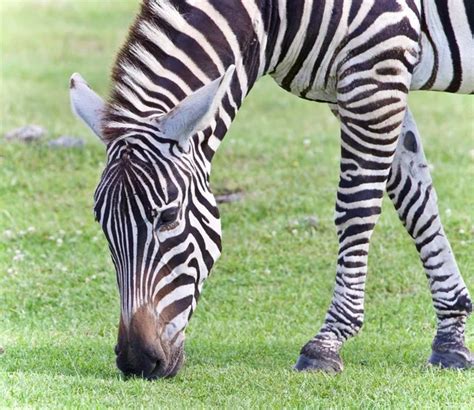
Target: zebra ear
196,111
86,104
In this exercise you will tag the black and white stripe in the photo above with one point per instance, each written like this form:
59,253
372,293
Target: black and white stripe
361,57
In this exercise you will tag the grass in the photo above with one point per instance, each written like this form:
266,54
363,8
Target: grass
269,291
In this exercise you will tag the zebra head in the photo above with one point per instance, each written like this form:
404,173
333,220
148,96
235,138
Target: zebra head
160,219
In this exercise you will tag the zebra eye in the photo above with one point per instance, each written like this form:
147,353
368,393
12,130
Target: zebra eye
167,219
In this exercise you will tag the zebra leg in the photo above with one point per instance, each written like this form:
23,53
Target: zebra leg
369,134
411,191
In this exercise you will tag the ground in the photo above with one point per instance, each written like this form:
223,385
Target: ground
269,291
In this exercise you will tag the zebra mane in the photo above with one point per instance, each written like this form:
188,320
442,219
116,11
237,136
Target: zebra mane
153,20
165,10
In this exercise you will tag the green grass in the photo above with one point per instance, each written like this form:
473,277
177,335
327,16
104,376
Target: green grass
269,291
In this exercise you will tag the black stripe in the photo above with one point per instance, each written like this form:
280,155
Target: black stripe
469,6
311,34
448,29
294,15
336,15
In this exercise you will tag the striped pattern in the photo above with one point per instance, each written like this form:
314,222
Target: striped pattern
447,47
410,188
362,57
154,229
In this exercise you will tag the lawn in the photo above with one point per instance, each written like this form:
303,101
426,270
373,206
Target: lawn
269,291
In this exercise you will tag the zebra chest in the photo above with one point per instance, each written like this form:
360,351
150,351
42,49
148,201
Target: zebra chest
308,67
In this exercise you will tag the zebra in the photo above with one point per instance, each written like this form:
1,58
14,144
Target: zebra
177,85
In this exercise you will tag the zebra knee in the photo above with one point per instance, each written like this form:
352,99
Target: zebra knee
463,304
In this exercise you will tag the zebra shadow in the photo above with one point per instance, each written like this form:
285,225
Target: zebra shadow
256,355
280,355
97,360
94,359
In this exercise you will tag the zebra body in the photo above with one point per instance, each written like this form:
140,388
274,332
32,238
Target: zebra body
179,82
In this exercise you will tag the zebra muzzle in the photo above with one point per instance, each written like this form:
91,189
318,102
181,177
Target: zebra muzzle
142,352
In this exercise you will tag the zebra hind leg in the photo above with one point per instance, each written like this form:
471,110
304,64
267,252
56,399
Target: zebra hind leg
411,191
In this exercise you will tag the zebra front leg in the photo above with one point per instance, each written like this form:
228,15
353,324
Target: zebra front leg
369,134
411,191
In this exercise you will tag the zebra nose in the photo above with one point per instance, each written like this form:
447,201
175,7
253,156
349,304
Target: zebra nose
139,362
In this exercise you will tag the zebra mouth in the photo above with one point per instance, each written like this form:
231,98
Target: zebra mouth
174,364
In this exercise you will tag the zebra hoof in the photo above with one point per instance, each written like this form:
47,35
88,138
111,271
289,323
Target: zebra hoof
452,357
316,358
326,365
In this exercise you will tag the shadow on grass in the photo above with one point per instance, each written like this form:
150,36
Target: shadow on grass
73,359
97,360
282,355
